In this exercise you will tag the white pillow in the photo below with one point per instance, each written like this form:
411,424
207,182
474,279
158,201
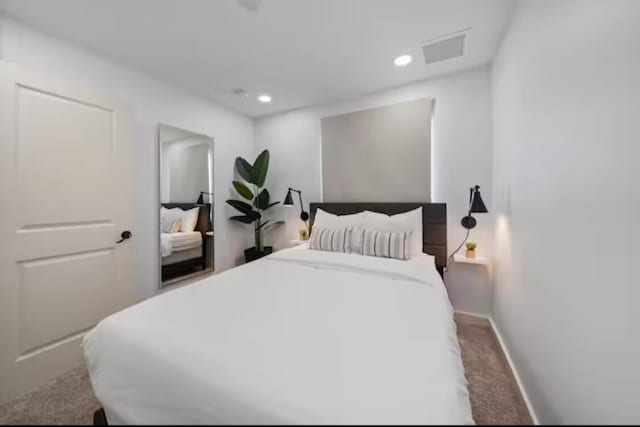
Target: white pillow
168,215
358,220
331,239
170,225
164,215
407,221
325,219
386,244
189,220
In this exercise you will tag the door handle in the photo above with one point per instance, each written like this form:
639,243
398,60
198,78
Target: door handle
125,235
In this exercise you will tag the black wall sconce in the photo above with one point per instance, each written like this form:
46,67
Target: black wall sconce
200,200
476,205
288,201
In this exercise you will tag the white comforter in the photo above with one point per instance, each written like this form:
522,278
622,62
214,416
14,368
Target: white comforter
172,242
299,337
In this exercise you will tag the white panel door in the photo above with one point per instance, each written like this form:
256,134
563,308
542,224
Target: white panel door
65,197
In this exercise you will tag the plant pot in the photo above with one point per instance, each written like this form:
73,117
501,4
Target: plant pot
252,254
471,253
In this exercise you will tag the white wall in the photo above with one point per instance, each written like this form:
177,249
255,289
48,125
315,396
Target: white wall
461,148
153,102
566,92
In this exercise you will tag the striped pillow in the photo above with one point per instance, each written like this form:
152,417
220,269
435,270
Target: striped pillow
331,239
385,244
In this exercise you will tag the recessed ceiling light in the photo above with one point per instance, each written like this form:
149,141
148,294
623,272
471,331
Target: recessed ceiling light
403,60
264,98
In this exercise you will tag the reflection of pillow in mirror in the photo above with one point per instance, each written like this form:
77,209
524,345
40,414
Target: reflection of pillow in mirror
169,214
165,224
163,215
189,220
171,225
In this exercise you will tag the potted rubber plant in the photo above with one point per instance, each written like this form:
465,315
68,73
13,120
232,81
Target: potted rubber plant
256,200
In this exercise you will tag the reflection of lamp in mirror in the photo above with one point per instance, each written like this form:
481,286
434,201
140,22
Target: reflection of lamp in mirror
204,223
200,200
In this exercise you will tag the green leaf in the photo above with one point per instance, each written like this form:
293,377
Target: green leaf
244,168
275,224
259,169
262,200
243,219
243,190
243,207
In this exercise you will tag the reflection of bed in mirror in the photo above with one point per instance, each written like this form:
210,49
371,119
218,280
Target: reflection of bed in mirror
186,204
182,252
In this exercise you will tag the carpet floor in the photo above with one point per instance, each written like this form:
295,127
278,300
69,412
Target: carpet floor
494,394
495,398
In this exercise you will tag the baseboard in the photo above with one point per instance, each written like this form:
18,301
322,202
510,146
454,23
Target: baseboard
505,351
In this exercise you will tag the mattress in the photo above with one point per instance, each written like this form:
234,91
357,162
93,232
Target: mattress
298,337
172,242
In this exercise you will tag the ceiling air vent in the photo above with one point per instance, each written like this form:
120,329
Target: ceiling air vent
444,48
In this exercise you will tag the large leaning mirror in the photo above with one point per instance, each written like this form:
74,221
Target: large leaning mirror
186,204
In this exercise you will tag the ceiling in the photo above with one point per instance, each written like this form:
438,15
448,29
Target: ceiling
302,52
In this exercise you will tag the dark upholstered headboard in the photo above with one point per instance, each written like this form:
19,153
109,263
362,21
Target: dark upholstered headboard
204,214
434,222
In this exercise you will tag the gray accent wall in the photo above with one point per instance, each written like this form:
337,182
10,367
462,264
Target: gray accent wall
378,155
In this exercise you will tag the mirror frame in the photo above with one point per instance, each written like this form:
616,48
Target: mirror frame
178,280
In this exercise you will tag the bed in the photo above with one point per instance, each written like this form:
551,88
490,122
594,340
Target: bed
298,337
184,252
176,247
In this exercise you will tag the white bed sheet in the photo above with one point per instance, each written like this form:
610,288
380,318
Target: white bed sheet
299,337
173,242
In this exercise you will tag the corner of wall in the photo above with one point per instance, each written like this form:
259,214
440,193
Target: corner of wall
514,371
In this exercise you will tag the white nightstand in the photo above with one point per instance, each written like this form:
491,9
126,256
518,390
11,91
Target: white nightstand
468,284
481,260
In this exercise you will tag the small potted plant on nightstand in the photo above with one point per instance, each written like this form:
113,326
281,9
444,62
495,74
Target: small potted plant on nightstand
471,250
304,234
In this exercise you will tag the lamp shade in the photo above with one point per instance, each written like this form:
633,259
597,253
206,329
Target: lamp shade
200,200
288,200
477,205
